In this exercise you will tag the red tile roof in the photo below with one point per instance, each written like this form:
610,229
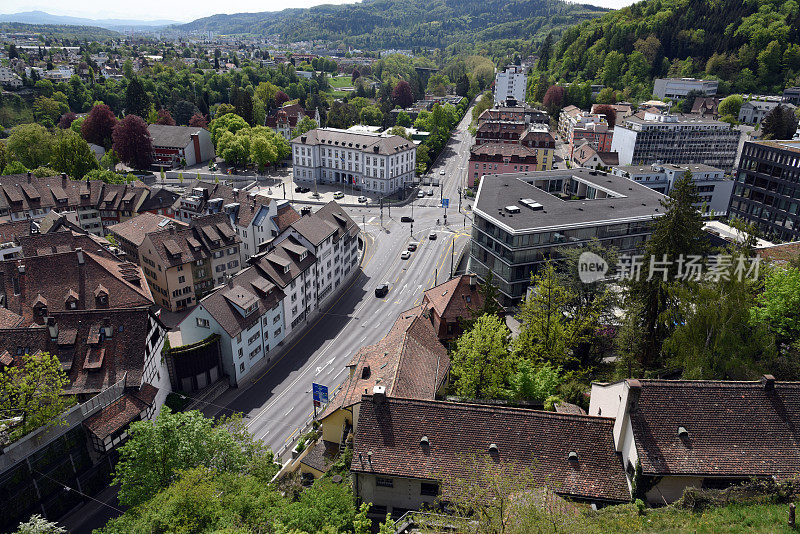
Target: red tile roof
115,416
539,441
454,299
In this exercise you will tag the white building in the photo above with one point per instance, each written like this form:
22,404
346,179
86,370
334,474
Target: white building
247,314
754,111
510,83
677,88
714,189
375,164
9,78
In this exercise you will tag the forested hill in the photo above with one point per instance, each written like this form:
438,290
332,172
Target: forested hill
751,45
407,24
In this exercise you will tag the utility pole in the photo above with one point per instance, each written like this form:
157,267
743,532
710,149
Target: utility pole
452,254
364,223
435,277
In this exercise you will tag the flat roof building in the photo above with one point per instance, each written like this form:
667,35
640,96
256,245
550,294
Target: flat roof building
678,88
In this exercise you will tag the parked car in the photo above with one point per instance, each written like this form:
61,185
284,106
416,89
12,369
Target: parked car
338,195
362,199
441,172
412,246
432,237
382,290
420,194
430,192
298,189
405,255
406,218
305,189
305,210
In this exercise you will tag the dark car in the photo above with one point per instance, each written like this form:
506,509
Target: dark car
305,190
305,210
298,189
405,218
381,290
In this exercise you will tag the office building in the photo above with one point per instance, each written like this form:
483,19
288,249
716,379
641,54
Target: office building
511,83
678,88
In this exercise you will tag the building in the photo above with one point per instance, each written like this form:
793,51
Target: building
183,264
405,450
575,125
450,304
285,119
175,146
520,112
255,218
499,158
706,105
511,83
754,111
621,109
704,434
678,88
767,193
713,187
160,202
247,314
375,164
648,137
584,154
500,132
519,219
129,235
792,95
9,78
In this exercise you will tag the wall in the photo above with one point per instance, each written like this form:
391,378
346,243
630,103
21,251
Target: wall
623,143
670,489
405,493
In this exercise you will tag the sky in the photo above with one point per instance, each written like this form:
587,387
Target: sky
180,10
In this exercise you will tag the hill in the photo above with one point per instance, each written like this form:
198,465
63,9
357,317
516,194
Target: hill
374,24
751,46
41,17
61,31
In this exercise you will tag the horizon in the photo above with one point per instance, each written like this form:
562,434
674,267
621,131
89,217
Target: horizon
158,11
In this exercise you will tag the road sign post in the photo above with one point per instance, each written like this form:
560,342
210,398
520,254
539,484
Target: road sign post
320,396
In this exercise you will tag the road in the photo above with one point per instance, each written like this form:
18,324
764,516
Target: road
277,402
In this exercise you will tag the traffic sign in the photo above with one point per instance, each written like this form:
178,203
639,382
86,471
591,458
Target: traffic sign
320,394
445,202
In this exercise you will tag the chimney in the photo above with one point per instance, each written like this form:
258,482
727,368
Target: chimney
29,176
171,229
768,381
379,394
631,390
79,253
63,180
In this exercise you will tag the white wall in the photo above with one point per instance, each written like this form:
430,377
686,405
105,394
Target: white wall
623,142
404,494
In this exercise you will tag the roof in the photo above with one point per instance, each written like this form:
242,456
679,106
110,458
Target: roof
285,217
782,253
64,241
454,299
249,204
173,136
501,150
178,246
159,199
627,201
134,230
246,288
321,456
287,253
409,361
539,441
10,231
115,416
332,137
735,429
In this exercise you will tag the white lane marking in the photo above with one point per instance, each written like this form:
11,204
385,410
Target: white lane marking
290,411
372,219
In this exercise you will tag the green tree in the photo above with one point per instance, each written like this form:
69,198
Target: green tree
534,383
39,525
403,119
230,122
778,306
47,111
72,155
31,389
31,145
779,123
482,361
730,105
137,101
263,152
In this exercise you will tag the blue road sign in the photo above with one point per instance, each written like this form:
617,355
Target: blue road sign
445,202
320,393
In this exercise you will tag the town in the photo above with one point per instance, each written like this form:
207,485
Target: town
286,274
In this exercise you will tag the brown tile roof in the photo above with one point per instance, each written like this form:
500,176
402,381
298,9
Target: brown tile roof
115,416
453,299
735,429
10,231
314,229
501,150
176,246
9,319
249,206
134,230
409,361
65,241
285,217
335,216
286,253
540,441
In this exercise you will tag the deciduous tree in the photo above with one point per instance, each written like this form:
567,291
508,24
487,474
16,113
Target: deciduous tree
137,101
402,94
132,142
72,155
482,361
31,145
98,126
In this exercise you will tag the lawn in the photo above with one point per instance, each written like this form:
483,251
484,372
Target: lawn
340,81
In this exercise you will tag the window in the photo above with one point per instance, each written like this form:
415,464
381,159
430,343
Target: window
252,338
181,279
241,367
203,323
240,352
277,332
383,482
276,319
430,489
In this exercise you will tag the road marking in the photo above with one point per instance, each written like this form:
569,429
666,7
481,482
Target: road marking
290,411
372,219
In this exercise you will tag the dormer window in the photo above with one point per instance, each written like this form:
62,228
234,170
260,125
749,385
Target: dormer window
285,269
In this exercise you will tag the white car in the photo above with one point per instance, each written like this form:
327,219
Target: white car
362,199
338,195
420,194
441,172
405,255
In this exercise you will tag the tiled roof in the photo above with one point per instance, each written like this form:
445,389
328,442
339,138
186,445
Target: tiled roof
409,361
65,241
172,136
134,230
115,416
176,246
286,253
502,150
336,217
249,204
454,298
321,456
285,217
10,231
159,199
735,429
540,441
313,228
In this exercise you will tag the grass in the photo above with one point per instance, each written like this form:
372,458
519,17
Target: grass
340,81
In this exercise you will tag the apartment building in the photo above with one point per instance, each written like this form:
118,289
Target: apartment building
519,112
678,88
511,83
247,313
767,189
375,164
754,111
500,158
9,78
713,187
129,235
521,218
183,264
647,138
255,218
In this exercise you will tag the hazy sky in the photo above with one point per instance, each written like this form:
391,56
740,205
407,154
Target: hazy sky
182,10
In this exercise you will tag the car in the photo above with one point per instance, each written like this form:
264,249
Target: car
405,255
338,194
430,192
441,172
406,218
298,189
305,210
412,246
362,199
432,237
382,290
420,194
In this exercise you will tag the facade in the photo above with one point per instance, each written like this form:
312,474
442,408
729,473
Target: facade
586,155
677,435
648,137
511,83
767,190
678,88
521,218
792,95
597,134
380,165
174,145
285,119
713,187
183,264
404,449
9,78
449,304
247,314
521,112
754,111
499,158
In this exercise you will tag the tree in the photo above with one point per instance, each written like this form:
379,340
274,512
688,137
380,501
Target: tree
66,120
545,53
402,94
98,126
534,383
199,120
3,156
137,101
778,306
403,119
607,95
165,118
31,389
223,109
31,145
305,124
779,123
553,99
688,100
730,105
263,152
183,111
132,142
39,525
72,155
109,161
243,102
481,360
230,122
156,452
609,113
462,85
281,98
355,75
47,110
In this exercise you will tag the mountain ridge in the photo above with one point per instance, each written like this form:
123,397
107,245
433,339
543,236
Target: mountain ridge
43,17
